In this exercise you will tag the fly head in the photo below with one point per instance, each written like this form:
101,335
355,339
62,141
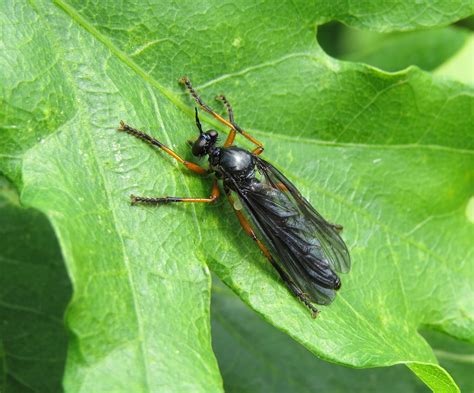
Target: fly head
206,140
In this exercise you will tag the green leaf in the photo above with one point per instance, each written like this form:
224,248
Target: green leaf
387,155
254,357
34,291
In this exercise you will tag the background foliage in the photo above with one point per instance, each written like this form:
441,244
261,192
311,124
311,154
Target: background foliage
388,154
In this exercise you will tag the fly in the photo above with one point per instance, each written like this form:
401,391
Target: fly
306,250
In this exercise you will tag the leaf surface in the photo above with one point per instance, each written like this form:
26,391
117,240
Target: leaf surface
245,345
387,155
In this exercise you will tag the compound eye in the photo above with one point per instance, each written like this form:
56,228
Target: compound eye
212,133
199,147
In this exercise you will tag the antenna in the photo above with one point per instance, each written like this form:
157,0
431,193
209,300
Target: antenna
198,123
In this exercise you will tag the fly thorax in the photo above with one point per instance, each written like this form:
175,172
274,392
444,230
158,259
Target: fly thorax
237,162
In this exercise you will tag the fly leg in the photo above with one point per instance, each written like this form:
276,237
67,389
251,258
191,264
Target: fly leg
280,186
234,128
154,142
229,109
259,149
284,276
158,201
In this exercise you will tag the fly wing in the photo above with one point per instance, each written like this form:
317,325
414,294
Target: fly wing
280,226
334,248
290,230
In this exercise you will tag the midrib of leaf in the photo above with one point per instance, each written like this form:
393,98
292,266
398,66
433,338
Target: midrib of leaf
137,69
168,140
125,58
130,278
82,111
77,18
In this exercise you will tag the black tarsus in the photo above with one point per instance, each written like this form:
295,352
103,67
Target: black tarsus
185,80
229,109
337,227
139,134
135,200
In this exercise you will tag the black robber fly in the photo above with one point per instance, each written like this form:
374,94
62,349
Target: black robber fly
304,248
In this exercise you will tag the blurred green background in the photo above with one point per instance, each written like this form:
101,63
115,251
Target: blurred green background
446,51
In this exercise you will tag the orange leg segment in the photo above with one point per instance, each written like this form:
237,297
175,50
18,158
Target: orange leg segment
257,150
234,128
281,187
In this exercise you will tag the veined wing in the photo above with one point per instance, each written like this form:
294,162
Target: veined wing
333,246
291,232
